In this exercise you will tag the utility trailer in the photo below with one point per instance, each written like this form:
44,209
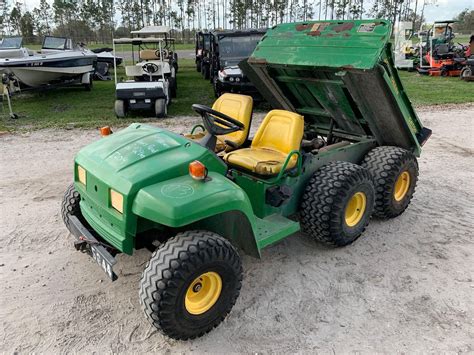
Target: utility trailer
338,147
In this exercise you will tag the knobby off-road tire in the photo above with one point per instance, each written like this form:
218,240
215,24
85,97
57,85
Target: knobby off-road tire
395,173
176,274
70,205
337,203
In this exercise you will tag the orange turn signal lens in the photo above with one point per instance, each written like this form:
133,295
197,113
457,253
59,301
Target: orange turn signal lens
105,131
197,170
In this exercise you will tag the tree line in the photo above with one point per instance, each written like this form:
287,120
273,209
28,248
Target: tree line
100,20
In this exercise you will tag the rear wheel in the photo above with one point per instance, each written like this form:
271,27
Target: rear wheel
395,173
205,71
119,108
160,108
190,284
198,66
337,203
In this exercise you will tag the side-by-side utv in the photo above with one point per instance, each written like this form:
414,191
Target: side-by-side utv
338,147
202,47
228,48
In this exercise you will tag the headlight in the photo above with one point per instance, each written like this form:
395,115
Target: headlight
231,78
81,175
116,200
237,79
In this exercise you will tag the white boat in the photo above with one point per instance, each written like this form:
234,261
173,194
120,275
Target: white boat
58,62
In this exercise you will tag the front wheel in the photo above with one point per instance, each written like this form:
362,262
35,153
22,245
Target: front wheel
190,284
466,73
160,108
70,206
119,108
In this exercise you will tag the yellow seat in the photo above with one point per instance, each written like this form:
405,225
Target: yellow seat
238,107
280,133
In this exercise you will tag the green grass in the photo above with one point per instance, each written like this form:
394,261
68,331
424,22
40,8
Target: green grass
435,90
75,107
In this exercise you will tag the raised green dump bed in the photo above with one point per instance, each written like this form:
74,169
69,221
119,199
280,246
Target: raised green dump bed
341,71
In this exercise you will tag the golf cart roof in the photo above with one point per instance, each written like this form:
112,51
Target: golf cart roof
446,22
152,30
138,40
340,71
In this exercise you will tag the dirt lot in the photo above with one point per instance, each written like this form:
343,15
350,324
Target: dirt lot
405,286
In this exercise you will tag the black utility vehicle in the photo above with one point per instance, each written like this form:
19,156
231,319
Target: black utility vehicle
203,45
228,48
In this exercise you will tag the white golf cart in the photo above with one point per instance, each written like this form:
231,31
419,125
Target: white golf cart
149,77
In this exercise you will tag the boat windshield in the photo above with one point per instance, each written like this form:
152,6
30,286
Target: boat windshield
233,49
11,43
54,43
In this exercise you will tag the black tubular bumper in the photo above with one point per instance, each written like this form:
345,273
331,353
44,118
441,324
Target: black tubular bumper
86,242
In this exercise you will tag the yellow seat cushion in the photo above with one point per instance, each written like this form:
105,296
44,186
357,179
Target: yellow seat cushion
238,107
279,134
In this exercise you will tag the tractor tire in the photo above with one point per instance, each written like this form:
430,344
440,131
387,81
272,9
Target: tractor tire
337,203
160,108
190,284
70,206
119,109
395,173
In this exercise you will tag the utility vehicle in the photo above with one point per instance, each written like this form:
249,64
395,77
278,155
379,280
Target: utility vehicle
228,48
151,78
203,43
339,146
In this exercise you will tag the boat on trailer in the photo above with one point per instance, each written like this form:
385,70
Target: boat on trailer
58,62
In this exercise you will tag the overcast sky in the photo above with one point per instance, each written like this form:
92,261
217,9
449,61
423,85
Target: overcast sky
443,10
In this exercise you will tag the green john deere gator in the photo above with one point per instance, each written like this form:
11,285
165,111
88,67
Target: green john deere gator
338,147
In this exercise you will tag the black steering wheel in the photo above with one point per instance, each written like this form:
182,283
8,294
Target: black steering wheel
150,68
216,122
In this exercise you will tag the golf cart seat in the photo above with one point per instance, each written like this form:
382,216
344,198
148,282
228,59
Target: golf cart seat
238,107
137,70
279,134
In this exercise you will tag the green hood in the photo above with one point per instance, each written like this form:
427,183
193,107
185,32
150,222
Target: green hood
141,155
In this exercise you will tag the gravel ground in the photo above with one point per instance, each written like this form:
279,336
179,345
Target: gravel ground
405,286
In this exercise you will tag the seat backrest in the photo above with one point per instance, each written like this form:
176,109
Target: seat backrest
148,54
281,131
238,107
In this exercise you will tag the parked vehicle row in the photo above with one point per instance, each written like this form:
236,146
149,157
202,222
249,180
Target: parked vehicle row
218,54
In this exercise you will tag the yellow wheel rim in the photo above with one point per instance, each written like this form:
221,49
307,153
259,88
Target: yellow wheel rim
355,209
401,186
203,293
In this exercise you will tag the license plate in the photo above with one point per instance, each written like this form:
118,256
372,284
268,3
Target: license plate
103,263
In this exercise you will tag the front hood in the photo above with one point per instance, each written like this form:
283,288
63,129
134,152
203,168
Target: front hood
233,71
140,154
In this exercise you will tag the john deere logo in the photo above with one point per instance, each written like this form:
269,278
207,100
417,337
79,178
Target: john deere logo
177,190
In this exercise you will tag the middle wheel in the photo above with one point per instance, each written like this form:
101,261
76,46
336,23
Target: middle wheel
337,203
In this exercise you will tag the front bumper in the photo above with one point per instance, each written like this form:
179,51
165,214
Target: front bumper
236,87
87,243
